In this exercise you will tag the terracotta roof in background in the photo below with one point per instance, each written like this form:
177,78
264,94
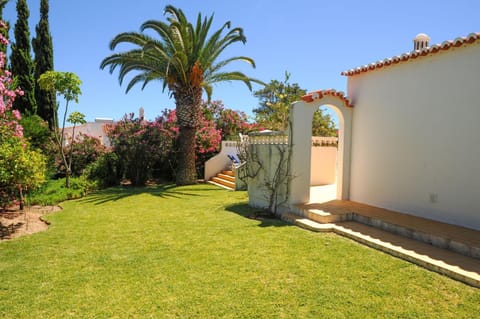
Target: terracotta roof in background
310,97
458,42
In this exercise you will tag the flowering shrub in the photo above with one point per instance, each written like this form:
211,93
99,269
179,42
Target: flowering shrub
228,121
21,169
139,145
86,149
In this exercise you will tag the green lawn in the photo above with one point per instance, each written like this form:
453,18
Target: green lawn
190,252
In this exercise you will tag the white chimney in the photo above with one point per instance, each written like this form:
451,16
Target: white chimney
421,41
141,114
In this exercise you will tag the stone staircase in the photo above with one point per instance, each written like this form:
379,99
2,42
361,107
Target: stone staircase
448,249
225,179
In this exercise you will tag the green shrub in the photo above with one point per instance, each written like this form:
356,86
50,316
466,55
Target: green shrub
54,191
105,171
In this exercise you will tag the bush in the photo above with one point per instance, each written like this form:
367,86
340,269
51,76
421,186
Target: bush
105,171
86,150
54,191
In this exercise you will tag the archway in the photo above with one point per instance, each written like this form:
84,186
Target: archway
301,116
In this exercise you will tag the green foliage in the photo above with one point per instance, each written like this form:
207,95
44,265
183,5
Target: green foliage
43,49
105,171
275,100
65,84
185,57
22,65
76,118
274,103
86,150
190,252
21,169
139,145
54,191
37,132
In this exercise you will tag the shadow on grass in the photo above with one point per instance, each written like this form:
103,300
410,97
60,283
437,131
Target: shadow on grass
266,220
162,190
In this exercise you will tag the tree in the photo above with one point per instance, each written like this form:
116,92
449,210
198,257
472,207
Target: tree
67,85
186,60
43,48
275,100
21,62
4,28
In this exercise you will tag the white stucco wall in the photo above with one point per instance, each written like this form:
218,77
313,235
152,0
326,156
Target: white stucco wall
415,137
323,165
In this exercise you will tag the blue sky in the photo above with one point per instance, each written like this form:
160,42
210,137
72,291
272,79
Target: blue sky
314,40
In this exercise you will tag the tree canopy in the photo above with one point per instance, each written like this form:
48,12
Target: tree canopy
43,48
21,61
275,100
187,58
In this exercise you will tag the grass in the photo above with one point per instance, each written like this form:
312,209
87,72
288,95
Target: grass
190,252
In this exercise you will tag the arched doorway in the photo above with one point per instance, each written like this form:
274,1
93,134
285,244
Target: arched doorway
301,116
323,161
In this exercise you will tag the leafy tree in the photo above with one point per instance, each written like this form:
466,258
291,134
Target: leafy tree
187,60
67,85
21,61
43,48
275,100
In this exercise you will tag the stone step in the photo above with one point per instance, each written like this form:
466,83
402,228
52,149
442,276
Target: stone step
431,232
228,172
226,177
454,265
321,216
226,183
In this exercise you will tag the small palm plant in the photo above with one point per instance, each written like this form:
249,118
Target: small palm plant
186,59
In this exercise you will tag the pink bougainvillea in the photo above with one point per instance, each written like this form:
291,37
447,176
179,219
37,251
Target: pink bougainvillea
8,117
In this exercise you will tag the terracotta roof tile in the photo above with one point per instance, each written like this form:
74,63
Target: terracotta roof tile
458,42
312,96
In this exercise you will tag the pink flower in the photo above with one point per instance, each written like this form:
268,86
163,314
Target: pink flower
16,114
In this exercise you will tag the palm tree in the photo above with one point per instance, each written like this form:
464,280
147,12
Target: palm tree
185,58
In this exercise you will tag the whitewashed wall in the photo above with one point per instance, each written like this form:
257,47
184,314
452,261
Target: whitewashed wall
267,150
220,161
323,162
416,137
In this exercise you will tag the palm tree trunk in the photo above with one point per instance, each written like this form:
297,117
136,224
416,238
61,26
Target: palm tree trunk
186,173
188,103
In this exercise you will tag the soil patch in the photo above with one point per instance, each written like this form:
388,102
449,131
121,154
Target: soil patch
15,223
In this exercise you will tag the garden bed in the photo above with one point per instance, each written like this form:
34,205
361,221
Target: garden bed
15,223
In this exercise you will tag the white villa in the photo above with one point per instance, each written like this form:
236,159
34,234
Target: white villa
94,129
409,135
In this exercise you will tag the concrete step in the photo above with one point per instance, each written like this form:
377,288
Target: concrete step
227,172
224,182
226,177
431,232
454,265
322,216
